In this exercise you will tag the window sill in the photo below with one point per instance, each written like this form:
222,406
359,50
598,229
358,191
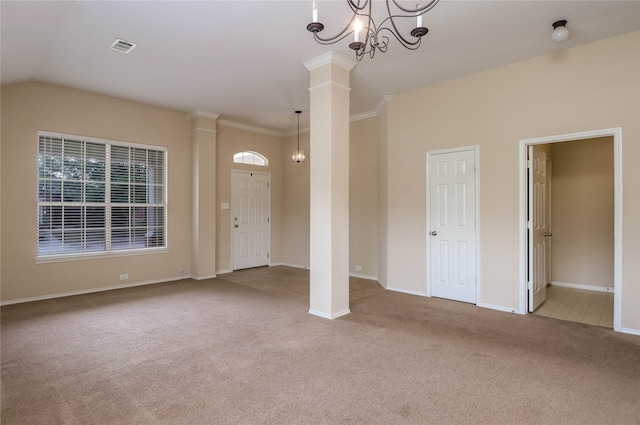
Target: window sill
97,255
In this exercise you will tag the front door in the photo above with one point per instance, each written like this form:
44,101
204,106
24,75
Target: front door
250,220
452,225
539,226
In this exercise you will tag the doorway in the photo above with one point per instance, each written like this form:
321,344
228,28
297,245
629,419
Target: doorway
528,263
250,203
452,232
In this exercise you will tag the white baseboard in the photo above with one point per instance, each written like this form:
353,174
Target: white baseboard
302,266
211,276
92,290
582,286
329,316
405,291
295,266
363,276
498,308
630,331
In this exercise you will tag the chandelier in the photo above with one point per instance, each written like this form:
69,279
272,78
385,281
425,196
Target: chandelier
368,37
298,155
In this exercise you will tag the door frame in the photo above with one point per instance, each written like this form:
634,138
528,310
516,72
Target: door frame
232,215
616,133
476,155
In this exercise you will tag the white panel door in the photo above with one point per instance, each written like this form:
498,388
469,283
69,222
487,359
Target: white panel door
250,200
452,225
539,226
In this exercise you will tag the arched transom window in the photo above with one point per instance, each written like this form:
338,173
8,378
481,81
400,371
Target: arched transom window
251,158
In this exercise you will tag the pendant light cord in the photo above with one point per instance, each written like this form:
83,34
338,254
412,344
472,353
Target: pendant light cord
298,113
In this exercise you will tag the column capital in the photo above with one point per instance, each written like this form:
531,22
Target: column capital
203,121
203,114
330,58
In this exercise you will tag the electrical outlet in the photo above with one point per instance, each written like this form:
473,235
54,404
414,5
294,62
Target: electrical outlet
181,270
358,268
124,276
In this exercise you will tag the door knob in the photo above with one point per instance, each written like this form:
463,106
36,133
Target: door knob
548,234
434,233
235,225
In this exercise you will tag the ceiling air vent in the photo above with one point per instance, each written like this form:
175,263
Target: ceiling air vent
122,46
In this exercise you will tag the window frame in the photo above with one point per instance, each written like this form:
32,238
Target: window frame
107,202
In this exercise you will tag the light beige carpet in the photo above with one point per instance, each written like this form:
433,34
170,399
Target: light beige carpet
242,349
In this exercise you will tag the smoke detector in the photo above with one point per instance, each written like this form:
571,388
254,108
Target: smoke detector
122,46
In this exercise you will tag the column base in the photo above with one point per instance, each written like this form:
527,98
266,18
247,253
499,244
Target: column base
329,316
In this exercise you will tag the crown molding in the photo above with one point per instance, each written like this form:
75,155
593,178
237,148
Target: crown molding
357,117
252,128
363,116
383,103
295,131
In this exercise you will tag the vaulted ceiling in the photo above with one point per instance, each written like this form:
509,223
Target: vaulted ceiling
244,59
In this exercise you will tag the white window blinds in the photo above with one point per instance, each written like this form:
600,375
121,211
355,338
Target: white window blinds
99,196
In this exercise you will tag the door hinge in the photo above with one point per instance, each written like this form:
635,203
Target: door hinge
529,162
268,184
529,285
267,255
268,220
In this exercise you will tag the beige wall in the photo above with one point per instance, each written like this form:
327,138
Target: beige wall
232,140
582,212
363,197
295,185
589,87
29,107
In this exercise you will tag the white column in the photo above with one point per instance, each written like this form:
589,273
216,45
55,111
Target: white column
203,208
329,185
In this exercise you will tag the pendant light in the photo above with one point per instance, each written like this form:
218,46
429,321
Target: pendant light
298,155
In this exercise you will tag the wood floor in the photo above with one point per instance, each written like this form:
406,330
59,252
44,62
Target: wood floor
578,305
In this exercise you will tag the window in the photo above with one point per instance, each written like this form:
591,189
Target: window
99,196
251,158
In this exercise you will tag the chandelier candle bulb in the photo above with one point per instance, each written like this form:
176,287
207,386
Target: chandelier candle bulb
315,12
419,18
357,26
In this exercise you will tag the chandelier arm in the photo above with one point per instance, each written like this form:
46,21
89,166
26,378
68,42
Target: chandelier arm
355,6
411,45
332,40
370,28
395,32
420,10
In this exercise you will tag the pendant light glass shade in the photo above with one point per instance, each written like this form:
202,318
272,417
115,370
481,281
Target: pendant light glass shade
298,155
560,31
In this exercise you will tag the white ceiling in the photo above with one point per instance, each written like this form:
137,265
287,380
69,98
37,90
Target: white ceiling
244,59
